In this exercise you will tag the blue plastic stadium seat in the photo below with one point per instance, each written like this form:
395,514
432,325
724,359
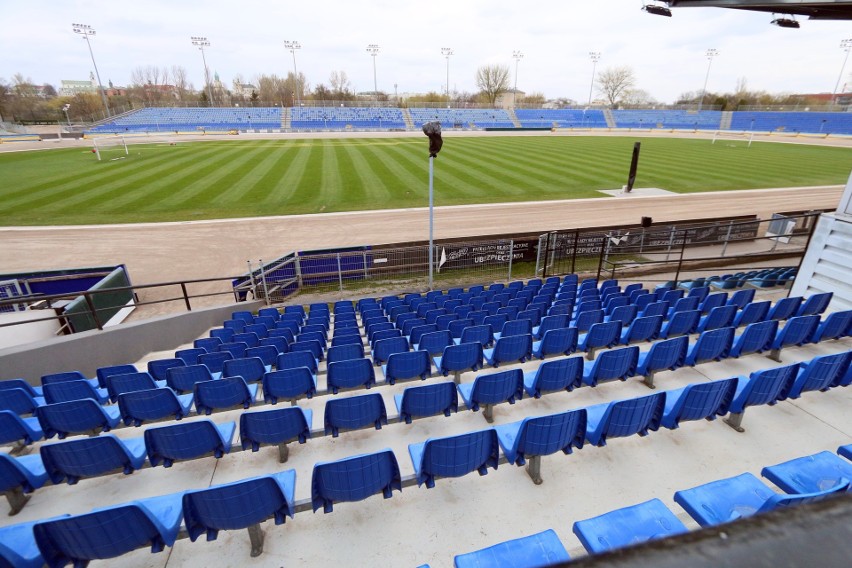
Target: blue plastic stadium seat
542,436
739,497
434,342
190,356
21,384
223,393
454,456
823,471
712,345
110,532
583,321
77,417
214,362
798,331
267,354
459,358
617,364
819,374
383,348
312,346
19,401
548,323
354,479
296,359
509,349
19,476
131,382
354,412
600,335
681,323
493,388
88,457
104,372
183,379
427,400
17,430
645,328
408,365
158,367
785,308
18,546
835,326
278,426
142,406
188,440
815,304
68,376
756,338
562,341
767,386
698,401
240,505
344,352
534,551
627,526
752,313
289,384
73,390
721,316
623,418
350,374
559,374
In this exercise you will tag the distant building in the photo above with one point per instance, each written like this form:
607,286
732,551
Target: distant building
69,88
508,99
243,90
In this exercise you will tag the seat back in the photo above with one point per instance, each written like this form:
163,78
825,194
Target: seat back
602,335
296,359
669,354
625,314
617,364
408,365
656,309
482,334
190,356
85,457
835,326
289,384
14,476
130,382
645,328
559,374
766,387
153,404
187,440
344,352
350,374
226,392
713,345
214,362
512,348
266,353
277,426
752,313
72,417
545,435
633,416
158,367
383,348
685,304
71,390
435,341
461,357
558,342
704,400
354,479
722,316
714,301
494,388
785,308
354,412
551,322
798,331
682,323
455,456
13,429
251,369
313,347
741,298
63,377
428,400
820,373
7,384
585,320
18,401
756,338
458,325
815,304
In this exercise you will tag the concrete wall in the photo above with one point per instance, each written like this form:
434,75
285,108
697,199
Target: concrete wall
125,343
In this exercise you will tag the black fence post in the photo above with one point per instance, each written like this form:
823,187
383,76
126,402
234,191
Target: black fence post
92,310
574,252
680,260
601,257
185,296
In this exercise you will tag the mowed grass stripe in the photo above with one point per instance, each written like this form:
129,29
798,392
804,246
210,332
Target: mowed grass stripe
288,173
249,175
405,185
368,185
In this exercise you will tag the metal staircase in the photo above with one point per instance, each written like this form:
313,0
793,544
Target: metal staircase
286,118
406,116
513,117
727,117
610,120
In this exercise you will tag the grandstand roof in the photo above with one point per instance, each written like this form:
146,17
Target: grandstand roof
826,10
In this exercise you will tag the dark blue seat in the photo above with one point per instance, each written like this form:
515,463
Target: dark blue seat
110,532
76,417
631,525
240,505
457,327
542,436
68,376
88,457
408,365
21,384
741,297
289,384
286,334
278,426
454,456
427,400
131,382
600,335
510,349
224,334
819,374
785,308
493,388
645,328
19,431
251,369
698,401
459,358
345,352
19,476
190,356
251,339
540,549
617,364
313,347
665,355
477,333
73,390
623,418
752,313
214,362
223,393
19,401
684,305
142,406
350,374
267,354
354,479
681,323
815,304
712,301
383,348
559,374
719,317
352,413
562,341
548,323
656,309
819,472
712,345
798,331
158,367
188,440
243,315
583,321
835,326
236,349
767,386
183,379
433,342
756,338
624,314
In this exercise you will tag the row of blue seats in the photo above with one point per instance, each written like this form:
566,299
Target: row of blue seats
766,278
803,480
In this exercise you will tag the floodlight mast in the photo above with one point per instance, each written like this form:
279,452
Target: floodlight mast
373,50
710,54
86,31
845,45
293,47
447,52
201,43
595,56
517,56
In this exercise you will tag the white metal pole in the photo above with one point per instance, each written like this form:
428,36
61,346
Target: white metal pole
845,45
431,220
595,57
711,53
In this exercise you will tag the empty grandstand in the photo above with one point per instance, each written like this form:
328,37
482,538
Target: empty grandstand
192,119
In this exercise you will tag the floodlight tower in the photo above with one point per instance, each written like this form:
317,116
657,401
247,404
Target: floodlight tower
845,45
87,31
373,50
710,54
595,56
293,47
65,109
201,43
517,56
447,52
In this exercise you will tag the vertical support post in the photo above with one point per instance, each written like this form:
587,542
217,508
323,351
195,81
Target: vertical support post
431,218
680,260
339,273
263,280
256,539
364,260
185,296
511,255
601,257
649,380
538,257
283,453
574,252
735,421
488,412
671,242
17,500
298,261
251,278
727,237
546,254
534,469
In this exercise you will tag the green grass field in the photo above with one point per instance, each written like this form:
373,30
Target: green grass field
232,178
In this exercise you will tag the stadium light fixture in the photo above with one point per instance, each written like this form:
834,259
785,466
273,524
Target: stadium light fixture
86,31
657,10
709,54
784,22
845,45
373,50
65,108
517,56
292,47
201,43
595,56
447,52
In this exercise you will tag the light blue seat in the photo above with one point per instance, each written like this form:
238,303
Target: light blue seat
142,406
559,374
352,413
645,328
131,382
798,331
823,471
68,376
73,390
767,386
756,338
533,551
622,418
739,497
223,393
600,335
243,504
408,365
630,525
354,479
752,313
721,316
459,358
18,477
681,323
278,426
350,374
712,345
542,436
383,348
493,388
562,341
815,304
427,400
183,379
289,384
77,417
110,532
19,401
88,457
617,364
188,440
18,547
819,374
835,326
509,349
19,431
454,456
698,401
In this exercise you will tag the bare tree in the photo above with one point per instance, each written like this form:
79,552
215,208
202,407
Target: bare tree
274,89
341,88
614,83
638,97
180,79
493,81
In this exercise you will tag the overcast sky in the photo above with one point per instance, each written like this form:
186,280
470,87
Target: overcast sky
555,36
